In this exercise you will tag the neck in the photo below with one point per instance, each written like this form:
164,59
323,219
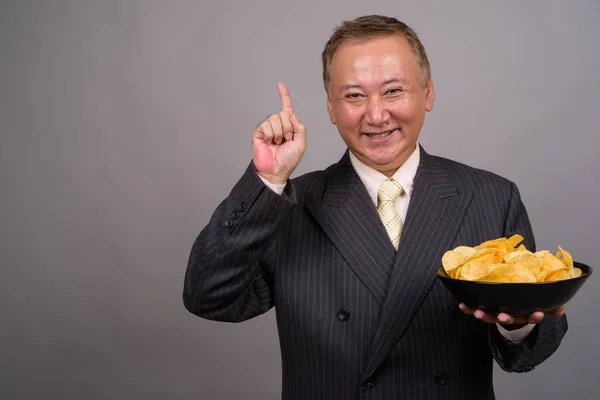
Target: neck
389,169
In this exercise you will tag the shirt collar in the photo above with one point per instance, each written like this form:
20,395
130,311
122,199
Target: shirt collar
372,178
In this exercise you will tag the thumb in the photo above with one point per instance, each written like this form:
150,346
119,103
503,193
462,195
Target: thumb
299,131
296,124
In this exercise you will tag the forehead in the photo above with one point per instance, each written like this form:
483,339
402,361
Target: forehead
374,58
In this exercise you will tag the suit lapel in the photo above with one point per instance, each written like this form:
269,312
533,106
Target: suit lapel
435,213
349,218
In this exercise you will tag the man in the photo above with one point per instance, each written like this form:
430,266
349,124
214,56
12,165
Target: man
347,255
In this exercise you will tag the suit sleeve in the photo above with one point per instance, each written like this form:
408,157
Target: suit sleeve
545,338
227,276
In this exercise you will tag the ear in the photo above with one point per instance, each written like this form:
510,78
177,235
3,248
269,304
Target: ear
330,110
429,95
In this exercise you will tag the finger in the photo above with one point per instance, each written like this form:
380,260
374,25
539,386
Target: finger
536,317
275,122
286,101
505,318
481,315
465,309
508,319
558,311
267,132
286,124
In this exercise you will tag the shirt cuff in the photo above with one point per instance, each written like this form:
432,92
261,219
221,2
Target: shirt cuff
276,187
518,335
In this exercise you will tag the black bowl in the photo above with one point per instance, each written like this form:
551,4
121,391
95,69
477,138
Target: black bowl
515,298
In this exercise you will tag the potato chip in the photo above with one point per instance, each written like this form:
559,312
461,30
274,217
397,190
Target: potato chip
479,266
549,265
452,260
455,273
466,251
493,244
564,256
542,253
575,272
529,262
517,253
500,260
515,273
501,243
558,275
495,273
513,241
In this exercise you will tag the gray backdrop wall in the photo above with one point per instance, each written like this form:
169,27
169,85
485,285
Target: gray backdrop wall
124,123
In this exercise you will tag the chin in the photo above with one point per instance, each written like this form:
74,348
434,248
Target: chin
382,163
382,159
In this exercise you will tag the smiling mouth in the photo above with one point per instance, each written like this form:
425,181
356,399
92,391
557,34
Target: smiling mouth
381,135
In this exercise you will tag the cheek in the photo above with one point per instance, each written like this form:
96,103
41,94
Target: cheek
348,117
409,112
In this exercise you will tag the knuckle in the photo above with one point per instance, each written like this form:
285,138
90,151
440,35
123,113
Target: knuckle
266,129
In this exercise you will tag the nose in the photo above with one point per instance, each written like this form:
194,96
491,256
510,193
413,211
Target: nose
376,113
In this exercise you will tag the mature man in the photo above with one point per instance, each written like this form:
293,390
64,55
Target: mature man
347,255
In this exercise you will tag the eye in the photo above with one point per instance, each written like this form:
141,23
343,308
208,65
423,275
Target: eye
353,95
394,91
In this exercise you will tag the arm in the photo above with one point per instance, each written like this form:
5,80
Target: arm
226,278
227,273
547,334
540,344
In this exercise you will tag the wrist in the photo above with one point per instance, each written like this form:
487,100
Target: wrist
273,179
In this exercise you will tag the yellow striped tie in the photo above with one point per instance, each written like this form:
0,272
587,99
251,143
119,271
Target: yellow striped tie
388,194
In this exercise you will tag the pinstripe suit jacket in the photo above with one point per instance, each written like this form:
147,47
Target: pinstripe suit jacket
356,319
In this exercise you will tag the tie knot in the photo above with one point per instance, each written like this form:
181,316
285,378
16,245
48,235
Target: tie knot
389,190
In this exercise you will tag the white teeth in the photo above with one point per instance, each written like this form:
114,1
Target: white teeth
379,135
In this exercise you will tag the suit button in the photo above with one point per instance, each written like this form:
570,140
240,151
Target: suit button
370,383
235,214
343,314
441,378
242,207
229,223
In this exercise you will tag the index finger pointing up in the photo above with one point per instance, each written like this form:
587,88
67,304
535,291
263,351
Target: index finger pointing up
286,101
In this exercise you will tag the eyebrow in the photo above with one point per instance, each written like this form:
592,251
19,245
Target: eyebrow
392,80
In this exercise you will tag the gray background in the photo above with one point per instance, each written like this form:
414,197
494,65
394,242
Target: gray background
124,123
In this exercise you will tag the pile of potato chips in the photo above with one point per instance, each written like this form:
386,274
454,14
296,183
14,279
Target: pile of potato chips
499,260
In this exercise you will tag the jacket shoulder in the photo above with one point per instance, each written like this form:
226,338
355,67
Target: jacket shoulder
468,177
309,186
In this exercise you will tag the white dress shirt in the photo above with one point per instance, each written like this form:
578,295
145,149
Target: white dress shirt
405,175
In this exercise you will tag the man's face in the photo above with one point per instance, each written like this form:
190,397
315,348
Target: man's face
377,100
